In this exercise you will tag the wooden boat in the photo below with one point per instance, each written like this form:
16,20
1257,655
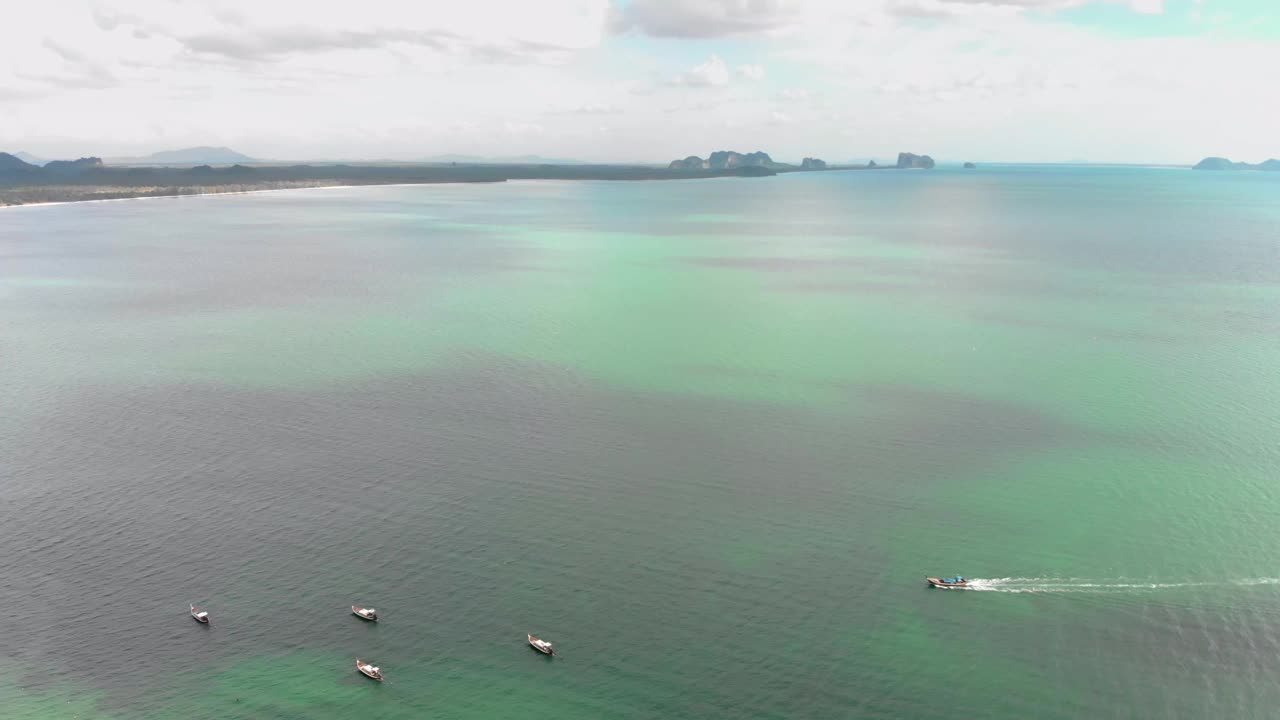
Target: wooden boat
951,583
369,670
541,646
365,613
199,615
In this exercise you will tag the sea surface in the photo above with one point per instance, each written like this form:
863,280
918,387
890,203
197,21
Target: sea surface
706,436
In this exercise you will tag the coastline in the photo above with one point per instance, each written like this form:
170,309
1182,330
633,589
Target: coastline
108,183
337,186
201,194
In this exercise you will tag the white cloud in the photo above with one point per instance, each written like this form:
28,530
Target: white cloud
1149,7
291,79
712,73
704,18
511,127
590,108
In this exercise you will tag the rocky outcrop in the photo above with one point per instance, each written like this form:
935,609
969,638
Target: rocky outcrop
872,164
724,160
812,164
969,166
693,162
728,159
1218,163
63,168
908,160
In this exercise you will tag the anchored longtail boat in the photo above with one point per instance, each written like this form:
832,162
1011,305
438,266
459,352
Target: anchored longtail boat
369,670
541,646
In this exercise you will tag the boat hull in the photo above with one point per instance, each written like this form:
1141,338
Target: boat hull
356,611
941,585
364,670
541,646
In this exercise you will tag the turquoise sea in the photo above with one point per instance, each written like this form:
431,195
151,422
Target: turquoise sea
707,436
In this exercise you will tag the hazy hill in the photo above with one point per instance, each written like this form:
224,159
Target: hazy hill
30,159
1217,163
68,168
203,155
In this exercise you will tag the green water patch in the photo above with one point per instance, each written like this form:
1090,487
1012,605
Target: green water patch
304,684
319,685
28,693
967,665
1101,516
702,315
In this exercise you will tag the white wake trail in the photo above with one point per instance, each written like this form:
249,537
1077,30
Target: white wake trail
1087,585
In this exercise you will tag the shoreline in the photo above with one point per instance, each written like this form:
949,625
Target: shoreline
205,194
337,185
101,183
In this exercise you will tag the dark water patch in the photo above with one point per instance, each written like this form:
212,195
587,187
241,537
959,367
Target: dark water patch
471,506
280,258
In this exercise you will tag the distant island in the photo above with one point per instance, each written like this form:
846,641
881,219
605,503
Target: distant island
165,174
1218,163
728,160
912,161
761,162
969,166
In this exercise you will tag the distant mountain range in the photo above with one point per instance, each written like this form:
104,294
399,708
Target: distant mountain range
204,155
13,167
1217,163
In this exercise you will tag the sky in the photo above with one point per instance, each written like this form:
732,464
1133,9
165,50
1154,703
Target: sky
1140,81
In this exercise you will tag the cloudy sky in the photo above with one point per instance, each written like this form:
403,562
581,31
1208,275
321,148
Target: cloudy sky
646,80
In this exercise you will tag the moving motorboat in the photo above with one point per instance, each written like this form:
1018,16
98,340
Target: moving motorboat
958,582
541,646
369,670
365,613
200,615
